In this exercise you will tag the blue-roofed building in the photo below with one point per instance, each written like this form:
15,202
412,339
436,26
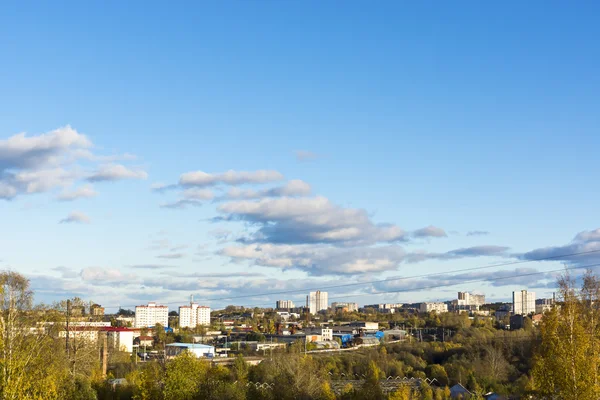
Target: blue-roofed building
200,350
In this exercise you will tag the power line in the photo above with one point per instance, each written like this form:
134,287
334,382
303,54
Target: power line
421,276
406,277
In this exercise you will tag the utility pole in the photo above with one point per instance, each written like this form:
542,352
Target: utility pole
104,354
67,335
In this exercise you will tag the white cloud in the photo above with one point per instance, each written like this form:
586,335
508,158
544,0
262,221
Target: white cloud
231,177
310,220
84,191
76,217
112,275
114,172
23,152
49,161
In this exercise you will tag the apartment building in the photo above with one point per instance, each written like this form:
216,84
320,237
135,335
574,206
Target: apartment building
543,305
193,315
437,307
284,304
469,299
317,301
150,315
523,302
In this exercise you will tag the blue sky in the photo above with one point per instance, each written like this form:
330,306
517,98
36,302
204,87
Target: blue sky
481,117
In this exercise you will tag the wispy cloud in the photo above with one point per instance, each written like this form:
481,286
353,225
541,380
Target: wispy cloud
114,172
303,155
477,233
81,192
76,217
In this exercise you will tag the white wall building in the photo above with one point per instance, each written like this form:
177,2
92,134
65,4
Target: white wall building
121,339
523,302
150,315
317,301
284,304
469,299
194,315
437,307
199,350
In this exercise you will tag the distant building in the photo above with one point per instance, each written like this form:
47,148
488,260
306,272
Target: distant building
190,316
125,321
365,325
387,308
437,307
318,334
284,304
121,339
543,305
199,350
523,302
317,301
469,299
517,321
344,306
150,315
97,310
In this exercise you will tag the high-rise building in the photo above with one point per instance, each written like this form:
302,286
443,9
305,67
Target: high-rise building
193,315
284,304
523,302
150,315
317,301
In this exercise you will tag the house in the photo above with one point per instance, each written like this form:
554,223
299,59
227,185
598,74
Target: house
458,391
120,338
537,318
144,341
199,350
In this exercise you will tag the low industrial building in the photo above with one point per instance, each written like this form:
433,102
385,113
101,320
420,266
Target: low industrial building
199,350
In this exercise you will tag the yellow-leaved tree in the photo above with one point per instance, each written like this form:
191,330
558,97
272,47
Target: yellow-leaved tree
32,366
566,362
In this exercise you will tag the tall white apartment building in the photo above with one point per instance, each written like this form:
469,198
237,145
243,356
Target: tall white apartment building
150,315
523,302
284,304
317,301
437,307
193,315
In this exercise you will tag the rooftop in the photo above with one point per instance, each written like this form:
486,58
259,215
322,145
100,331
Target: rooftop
190,345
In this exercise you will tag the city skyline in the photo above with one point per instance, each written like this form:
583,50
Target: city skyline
245,158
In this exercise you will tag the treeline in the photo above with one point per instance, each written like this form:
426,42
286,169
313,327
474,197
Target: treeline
557,360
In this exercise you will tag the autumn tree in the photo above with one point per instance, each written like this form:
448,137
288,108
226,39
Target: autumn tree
565,366
32,365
